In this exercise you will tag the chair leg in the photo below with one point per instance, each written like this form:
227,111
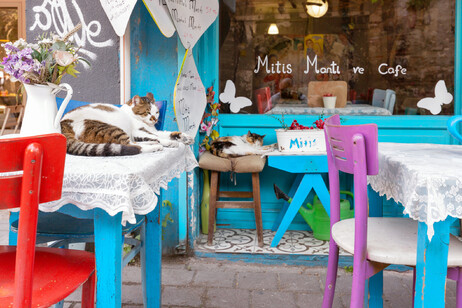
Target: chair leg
331,277
88,292
459,289
212,205
359,284
257,207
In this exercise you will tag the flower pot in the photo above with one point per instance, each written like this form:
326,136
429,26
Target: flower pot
41,115
329,101
301,141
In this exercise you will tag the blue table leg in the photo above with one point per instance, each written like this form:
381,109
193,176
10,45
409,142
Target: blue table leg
432,262
319,187
303,190
285,205
376,281
151,258
13,236
108,252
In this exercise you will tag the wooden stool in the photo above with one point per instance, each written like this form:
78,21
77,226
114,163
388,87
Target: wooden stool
245,164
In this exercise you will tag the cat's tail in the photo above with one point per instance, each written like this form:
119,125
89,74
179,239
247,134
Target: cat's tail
77,147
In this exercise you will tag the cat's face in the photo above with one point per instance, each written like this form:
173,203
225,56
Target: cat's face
255,138
145,108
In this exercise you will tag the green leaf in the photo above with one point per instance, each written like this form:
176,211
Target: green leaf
58,46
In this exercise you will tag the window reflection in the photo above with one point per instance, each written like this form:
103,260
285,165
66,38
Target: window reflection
360,48
8,32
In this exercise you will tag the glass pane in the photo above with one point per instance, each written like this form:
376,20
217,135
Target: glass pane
8,32
356,52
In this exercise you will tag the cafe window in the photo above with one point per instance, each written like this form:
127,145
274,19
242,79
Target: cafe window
369,54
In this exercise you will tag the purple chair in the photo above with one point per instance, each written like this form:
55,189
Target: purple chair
375,242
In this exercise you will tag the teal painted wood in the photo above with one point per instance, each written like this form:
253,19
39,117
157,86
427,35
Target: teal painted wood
285,204
299,163
108,252
151,259
154,69
458,60
12,236
432,261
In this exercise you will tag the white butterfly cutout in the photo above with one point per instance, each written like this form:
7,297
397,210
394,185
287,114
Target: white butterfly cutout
229,96
442,96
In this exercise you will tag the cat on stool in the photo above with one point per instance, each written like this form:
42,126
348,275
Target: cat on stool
106,130
235,146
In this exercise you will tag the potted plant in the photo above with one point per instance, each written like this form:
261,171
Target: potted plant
297,138
329,100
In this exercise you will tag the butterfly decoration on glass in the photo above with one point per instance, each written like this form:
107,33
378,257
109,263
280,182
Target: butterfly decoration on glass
229,97
442,97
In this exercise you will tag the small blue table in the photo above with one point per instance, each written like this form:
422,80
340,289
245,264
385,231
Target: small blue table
308,169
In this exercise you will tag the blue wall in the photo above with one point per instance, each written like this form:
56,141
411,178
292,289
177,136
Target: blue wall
154,69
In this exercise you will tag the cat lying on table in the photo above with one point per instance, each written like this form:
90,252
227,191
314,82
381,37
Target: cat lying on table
234,146
106,130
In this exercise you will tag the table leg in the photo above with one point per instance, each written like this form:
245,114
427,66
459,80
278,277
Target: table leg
285,205
320,188
151,258
432,262
375,282
108,253
303,190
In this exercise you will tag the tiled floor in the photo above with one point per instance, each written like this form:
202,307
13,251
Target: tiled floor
245,241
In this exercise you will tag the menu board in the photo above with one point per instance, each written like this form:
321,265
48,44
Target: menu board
159,12
192,18
100,82
189,97
118,12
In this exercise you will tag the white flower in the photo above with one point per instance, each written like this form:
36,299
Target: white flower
45,41
56,38
63,58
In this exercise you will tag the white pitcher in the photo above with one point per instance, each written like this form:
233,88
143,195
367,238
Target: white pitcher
41,115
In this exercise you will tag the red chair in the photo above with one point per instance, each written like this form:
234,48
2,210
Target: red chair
263,97
31,172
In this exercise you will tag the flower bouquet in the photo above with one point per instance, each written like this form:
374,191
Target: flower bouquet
40,66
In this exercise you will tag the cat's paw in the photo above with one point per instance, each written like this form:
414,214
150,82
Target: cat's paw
145,148
182,137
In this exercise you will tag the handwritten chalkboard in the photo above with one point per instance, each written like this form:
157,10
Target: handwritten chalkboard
192,18
99,44
118,12
189,97
159,12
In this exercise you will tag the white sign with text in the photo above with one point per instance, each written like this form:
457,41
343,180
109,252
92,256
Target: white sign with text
192,18
118,12
189,97
159,12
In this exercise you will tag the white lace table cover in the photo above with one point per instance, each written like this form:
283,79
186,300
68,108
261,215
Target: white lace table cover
349,109
127,184
425,178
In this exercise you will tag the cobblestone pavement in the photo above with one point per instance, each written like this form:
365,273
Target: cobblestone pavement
205,282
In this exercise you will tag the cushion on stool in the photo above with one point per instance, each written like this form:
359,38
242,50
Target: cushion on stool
209,161
243,164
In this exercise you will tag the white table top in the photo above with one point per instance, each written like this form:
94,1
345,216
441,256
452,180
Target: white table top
349,109
425,178
127,184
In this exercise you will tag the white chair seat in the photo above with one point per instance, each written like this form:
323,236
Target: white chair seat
390,241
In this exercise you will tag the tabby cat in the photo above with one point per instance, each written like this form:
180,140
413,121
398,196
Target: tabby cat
234,146
106,130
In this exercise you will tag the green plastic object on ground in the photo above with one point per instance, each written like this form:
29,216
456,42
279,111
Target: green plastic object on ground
318,219
205,204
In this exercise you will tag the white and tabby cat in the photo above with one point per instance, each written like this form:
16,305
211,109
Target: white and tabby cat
234,146
106,130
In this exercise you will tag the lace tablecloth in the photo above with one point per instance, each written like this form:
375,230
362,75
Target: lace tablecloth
127,184
349,109
425,178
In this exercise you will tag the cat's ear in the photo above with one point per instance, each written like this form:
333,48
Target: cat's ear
150,96
263,136
135,100
249,133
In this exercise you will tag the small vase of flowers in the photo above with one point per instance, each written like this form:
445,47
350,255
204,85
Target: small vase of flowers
299,138
329,100
40,66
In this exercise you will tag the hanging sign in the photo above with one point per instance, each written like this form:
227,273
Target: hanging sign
189,97
159,12
118,12
192,18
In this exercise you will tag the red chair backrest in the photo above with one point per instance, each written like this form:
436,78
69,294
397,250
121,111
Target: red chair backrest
12,153
263,96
